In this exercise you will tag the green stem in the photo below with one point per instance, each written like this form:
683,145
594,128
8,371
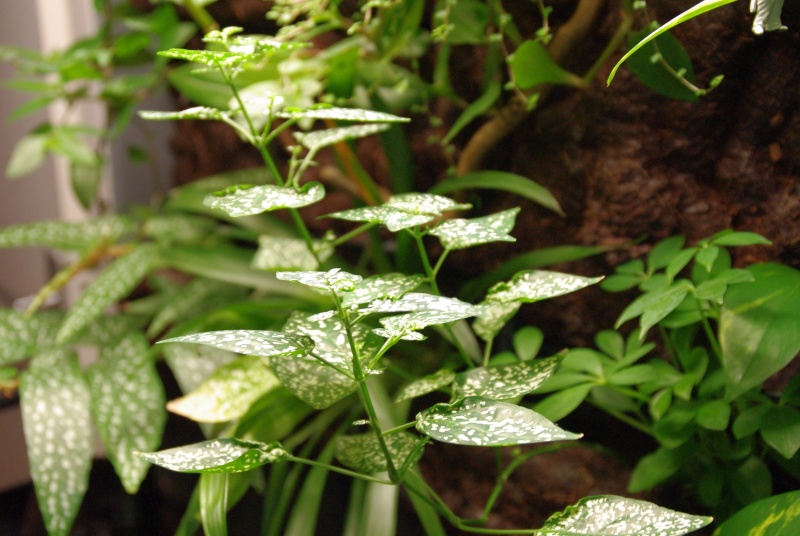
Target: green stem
439,263
400,428
426,263
350,234
340,470
620,416
487,351
712,338
611,47
200,16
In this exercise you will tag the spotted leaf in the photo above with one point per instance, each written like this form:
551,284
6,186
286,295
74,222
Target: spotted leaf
128,406
381,286
332,280
426,384
251,342
197,112
70,236
536,285
198,295
246,200
58,432
363,452
610,515
494,316
228,393
342,114
192,363
226,455
280,253
317,139
421,203
418,301
211,58
488,423
503,382
393,218
403,325
463,233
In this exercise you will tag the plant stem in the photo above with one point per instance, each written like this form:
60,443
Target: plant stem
712,339
200,16
340,470
400,428
630,421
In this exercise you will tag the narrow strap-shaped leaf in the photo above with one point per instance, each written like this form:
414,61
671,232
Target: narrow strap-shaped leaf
252,342
317,139
226,455
113,284
16,336
128,406
465,233
488,423
58,432
213,493
71,236
245,200
619,516
503,382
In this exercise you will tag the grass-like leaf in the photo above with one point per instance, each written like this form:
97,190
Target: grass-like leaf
427,384
71,236
382,286
342,114
463,233
483,422
619,516
113,284
503,382
536,285
227,455
245,200
317,139
363,452
252,342
58,432
227,393
128,406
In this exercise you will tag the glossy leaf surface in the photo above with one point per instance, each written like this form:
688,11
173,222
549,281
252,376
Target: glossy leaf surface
775,516
280,253
535,285
503,382
342,114
252,342
226,455
333,280
426,384
465,233
377,287
250,200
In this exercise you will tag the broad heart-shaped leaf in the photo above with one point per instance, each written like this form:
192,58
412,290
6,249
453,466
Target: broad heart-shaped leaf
420,203
463,233
493,318
533,66
535,285
113,284
226,455
342,114
333,280
418,301
228,393
317,139
128,406
393,218
759,327
58,432
483,422
252,342
363,452
609,515
197,112
281,253
246,200
191,364
391,285
427,384
71,236
773,516
503,382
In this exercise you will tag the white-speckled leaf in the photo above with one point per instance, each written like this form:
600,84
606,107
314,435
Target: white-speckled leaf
198,295
381,286
619,516
536,285
463,233
246,200
418,301
403,326
503,382
280,253
394,219
428,384
332,280
488,423
196,112
493,317
58,433
114,283
179,228
193,363
342,114
226,455
251,342
363,452
212,58
71,236
421,203
17,339
128,406
228,393
317,139
107,330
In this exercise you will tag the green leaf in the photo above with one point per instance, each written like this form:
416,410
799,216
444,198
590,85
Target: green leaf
213,495
778,515
317,139
334,280
421,203
749,421
503,181
342,114
482,422
85,180
198,295
563,402
404,326
465,233
128,406
620,282
503,382
426,384
252,342
714,415
279,253
394,219
619,516
664,252
759,328
532,66
659,403
58,432
652,73
246,200
655,305
739,238
492,319
111,285
781,430
191,363
392,286
228,393
698,9
226,455
421,302
211,58
363,452
527,342
28,154
73,236
635,375
474,110
536,285
204,113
